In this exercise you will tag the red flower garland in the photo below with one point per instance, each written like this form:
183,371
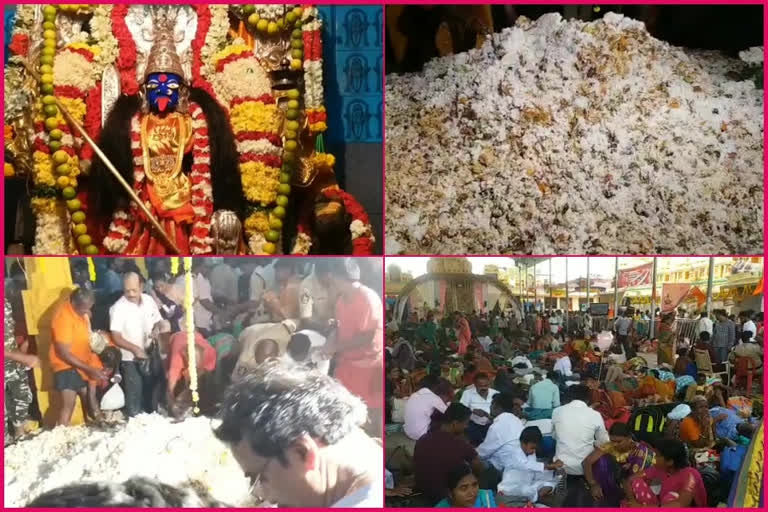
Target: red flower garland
126,59
92,121
361,246
203,25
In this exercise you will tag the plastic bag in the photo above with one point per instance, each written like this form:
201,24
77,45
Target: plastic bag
113,399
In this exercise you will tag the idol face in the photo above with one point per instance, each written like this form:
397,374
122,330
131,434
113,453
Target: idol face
163,91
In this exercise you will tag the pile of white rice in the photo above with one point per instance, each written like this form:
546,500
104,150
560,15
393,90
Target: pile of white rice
572,137
184,454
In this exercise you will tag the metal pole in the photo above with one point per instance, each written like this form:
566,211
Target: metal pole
616,289
550,284
710,280
535,290
567,301
652,329
587,282
525,286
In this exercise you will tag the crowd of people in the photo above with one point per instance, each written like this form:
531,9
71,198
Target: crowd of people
500,408
264,330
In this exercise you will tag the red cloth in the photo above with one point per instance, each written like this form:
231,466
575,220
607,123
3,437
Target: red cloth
359,368
177,355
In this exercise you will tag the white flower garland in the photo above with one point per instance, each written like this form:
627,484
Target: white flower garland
273,11
232,83
101,31
313,83
72,69
52,235
216,38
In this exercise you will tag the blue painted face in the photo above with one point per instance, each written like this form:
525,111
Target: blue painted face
163,91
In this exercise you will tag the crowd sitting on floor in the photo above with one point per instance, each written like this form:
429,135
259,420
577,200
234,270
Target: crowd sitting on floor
558,418
119,341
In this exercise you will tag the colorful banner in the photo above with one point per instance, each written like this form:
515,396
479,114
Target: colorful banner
672,295
637,276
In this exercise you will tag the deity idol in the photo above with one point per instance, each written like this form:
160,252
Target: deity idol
174,146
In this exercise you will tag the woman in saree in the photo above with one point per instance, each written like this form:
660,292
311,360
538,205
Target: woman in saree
607,466
666,337
681,485
697,429
464,334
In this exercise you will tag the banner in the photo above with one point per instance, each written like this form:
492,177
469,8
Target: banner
699,295
672,295
637,276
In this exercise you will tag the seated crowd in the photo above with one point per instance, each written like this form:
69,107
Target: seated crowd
553,421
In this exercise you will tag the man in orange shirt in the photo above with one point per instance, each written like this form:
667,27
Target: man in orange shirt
76,368
358,343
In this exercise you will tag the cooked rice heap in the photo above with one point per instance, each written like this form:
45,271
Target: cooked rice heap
567,137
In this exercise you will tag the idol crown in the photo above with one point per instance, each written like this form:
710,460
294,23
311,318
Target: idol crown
163,57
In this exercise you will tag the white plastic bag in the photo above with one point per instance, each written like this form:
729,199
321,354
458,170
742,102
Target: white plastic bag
113,399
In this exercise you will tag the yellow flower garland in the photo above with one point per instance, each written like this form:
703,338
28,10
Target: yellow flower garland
189,299
260,182
254,116
257,222
43,170
91,270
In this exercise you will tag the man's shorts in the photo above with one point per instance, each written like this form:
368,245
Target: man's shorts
68,380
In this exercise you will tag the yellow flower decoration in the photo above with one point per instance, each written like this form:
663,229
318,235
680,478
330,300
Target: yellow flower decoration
260,182
318,127
43,205
9,170
95,50
254,116
43,169
257,222
235,49
75,106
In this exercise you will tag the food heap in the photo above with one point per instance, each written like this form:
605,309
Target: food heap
571,137
186,455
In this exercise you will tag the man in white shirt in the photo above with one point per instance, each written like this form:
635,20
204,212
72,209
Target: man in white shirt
704,324
504,433
623,326
478,398
435,393
563,366
524,476
131,321
577,428
748,325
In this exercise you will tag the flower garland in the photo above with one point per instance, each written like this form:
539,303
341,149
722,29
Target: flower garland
360,227
126,58
200,241
67,75
264,159
203,26
215,39
101,31
313,73
189,327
